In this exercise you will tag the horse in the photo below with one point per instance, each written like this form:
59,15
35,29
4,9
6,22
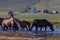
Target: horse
41,23
24,24
16,25
1,19
9,22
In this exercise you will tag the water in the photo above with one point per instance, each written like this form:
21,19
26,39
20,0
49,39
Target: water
39,33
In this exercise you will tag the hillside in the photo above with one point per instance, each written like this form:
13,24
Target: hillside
16,5
49,4
19,5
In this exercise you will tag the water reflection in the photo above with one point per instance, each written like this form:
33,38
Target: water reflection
39,33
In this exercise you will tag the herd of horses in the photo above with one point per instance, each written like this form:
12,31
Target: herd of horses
15,24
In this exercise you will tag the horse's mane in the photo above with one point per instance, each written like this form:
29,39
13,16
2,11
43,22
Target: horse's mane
18,20
26,21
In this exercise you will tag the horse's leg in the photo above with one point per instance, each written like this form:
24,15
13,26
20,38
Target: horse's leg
13,28
36,28
12,24
31,26
52,28
40,28
27,27
3,26
45,28
10,27
6,27
16,25
22,29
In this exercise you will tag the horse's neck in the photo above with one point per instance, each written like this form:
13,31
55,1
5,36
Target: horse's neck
11,17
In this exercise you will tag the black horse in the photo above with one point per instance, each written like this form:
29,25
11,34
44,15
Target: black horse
41,23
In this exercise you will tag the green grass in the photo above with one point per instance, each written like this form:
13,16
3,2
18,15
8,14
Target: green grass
53,18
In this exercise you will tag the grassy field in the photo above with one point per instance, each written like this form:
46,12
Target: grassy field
53,18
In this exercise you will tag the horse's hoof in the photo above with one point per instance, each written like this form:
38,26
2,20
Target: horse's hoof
52,30
29,29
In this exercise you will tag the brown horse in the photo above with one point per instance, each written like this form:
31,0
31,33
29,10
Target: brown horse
24,24
9,22
6,22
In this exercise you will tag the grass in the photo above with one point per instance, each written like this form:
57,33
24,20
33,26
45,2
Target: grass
53,18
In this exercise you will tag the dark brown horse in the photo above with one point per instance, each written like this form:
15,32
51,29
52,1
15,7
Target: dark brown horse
24,24
41,23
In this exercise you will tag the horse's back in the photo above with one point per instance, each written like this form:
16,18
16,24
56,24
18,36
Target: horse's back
42,22
26,22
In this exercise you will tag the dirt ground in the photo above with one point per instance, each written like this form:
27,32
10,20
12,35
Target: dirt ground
23,36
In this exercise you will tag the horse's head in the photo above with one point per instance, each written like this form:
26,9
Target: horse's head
51,27
49,24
